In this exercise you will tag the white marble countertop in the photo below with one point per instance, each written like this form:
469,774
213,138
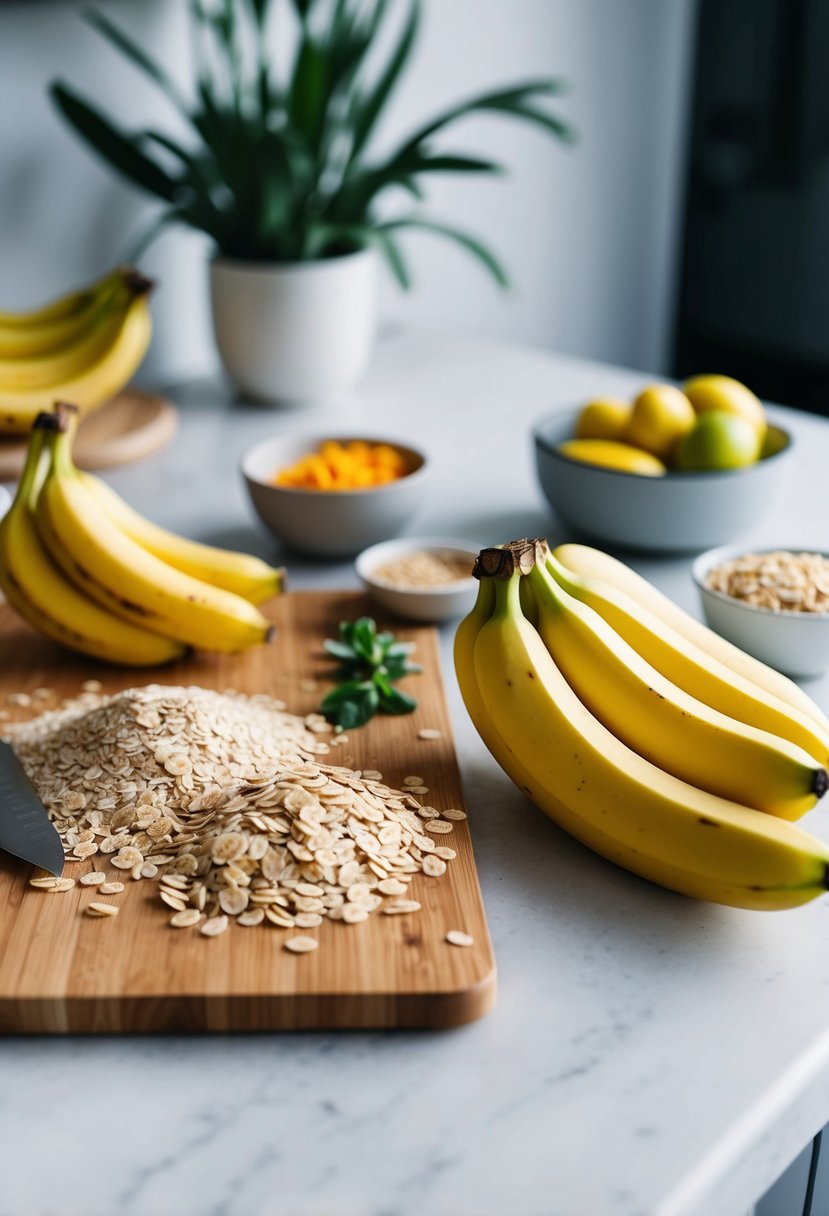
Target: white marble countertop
648,1055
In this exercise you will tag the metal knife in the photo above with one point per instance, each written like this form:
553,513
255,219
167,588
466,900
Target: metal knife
25,828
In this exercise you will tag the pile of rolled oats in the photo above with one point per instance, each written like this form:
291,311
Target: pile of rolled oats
225,801
778,580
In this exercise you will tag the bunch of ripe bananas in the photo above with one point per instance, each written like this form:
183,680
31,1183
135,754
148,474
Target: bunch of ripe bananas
85,569
83,348
642,733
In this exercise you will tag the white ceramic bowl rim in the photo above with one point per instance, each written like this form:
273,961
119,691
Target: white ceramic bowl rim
365,562
260,267
313,443
5,501
549,447
712,557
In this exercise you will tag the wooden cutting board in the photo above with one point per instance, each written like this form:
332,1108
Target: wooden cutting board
133,425
64,972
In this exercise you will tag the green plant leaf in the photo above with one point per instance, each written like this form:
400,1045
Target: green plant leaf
309,92
139,57
507,101
394,701
367,110
117,148
260,10
470,243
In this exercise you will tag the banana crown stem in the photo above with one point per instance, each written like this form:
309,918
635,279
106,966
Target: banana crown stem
517,556
34,471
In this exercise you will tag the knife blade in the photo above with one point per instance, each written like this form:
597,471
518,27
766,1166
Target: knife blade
25,828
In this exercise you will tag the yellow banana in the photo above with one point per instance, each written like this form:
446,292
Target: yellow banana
57,367
241,573
113,569
91,386
27,340
639,594
39,592
609,797
662,722
685,665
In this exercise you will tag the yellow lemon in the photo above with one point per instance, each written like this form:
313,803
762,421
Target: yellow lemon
613,455
723,393
661,416
603,418
719,440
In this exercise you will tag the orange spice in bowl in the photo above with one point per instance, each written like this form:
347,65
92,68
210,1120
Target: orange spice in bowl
351,465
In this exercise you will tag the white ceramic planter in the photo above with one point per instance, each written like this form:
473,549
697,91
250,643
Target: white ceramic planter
299,331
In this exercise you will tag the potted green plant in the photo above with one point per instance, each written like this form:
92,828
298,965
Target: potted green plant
276,169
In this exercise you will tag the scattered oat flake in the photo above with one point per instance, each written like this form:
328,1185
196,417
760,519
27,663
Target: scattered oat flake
92,686
433,866
173,900
301,945
456,938
111,888
429,733
214,926
253,916
185,918
400,906
352,914
454,813
102,910
412,781
438,826
93,879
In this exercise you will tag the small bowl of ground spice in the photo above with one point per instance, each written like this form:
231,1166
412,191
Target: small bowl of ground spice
773,603
421,578
333,495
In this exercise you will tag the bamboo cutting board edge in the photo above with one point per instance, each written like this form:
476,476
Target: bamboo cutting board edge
386,972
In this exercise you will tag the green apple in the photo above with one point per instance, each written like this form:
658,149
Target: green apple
719,440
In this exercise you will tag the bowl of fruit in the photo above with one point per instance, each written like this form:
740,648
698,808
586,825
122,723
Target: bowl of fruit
332,496
676,469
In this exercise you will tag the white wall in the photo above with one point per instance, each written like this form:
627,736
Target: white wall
588,233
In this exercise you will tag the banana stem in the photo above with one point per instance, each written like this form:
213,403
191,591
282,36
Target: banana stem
34,474
517,556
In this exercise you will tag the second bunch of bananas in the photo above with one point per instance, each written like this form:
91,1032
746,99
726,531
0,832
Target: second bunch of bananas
85,569
641,733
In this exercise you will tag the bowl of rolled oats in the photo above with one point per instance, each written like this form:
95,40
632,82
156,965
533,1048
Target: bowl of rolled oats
773,603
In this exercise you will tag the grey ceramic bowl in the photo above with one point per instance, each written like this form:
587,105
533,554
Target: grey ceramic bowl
680,512
447,602
796,643
327,523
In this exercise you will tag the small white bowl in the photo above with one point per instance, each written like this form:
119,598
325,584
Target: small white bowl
330,523
679,512
5,501
446,602
796,643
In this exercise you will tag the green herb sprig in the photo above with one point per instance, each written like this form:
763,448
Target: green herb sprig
369,663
